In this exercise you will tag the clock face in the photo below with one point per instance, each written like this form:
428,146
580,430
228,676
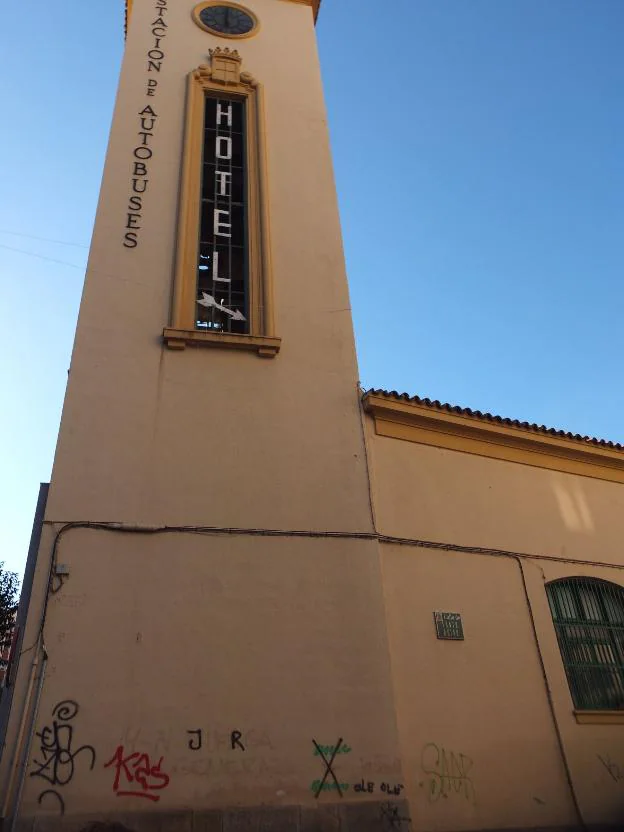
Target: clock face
227,20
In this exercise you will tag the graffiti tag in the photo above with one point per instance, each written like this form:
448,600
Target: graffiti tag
615,772
328,758
369,786
392,819
136,776
448,773
196,741
58,763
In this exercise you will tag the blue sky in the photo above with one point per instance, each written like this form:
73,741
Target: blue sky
478,154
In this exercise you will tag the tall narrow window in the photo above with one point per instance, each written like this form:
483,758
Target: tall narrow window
222,285
222,292
588,615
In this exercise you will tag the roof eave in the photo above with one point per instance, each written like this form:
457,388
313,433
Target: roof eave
399,416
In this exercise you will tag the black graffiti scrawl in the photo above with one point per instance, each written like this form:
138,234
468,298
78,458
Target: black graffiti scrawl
57,758
392,819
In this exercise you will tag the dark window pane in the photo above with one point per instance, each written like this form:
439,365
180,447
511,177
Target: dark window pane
222,283
237,151
208,181
237,220
592,647
238,186
206,230
210,146
210,112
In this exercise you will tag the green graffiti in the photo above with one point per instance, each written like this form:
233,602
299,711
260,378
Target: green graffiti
328,750
328,787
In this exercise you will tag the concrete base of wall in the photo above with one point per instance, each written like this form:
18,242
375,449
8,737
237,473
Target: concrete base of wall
343,817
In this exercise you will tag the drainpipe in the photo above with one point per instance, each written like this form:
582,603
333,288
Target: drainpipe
22,613
18,741
551,703
31,733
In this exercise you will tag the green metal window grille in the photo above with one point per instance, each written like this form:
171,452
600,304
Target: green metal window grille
588,615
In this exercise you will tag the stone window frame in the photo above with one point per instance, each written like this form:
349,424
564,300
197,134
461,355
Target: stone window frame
224,77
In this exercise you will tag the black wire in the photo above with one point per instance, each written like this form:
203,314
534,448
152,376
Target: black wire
291,533
260,532
42,239
41,256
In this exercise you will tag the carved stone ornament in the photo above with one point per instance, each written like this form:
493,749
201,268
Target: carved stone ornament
226,69
226,66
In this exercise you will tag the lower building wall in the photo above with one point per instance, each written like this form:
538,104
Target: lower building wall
188,671
236,683
479,738
370,816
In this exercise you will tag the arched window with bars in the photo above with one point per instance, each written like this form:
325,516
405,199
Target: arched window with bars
588,615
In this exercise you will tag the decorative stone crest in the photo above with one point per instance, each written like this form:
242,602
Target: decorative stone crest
226,66
225,69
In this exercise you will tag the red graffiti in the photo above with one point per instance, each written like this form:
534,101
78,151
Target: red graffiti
137,769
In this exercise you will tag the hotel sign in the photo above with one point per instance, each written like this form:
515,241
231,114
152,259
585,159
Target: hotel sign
222,280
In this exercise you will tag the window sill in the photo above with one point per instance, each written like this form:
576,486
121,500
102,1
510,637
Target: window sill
599,717
179,339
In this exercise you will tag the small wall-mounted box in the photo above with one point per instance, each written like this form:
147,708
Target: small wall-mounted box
449,626
61,569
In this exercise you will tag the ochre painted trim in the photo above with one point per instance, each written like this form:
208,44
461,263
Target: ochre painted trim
316,5
179,339
128,14
415,423
599,717
207,3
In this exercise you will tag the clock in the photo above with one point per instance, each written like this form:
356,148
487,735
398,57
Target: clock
225,20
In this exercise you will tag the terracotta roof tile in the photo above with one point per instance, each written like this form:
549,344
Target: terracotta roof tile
489,417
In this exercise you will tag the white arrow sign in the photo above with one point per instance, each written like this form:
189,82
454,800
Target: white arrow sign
208,301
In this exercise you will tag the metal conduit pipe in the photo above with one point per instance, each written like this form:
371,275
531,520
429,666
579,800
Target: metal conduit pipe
26,754
549,697
18,742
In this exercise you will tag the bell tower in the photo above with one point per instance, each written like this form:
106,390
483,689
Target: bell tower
205,631
214,374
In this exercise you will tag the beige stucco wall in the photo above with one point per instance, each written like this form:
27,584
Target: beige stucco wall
494,503
287,638
152,636
483,697
281,640
486,697
211,436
